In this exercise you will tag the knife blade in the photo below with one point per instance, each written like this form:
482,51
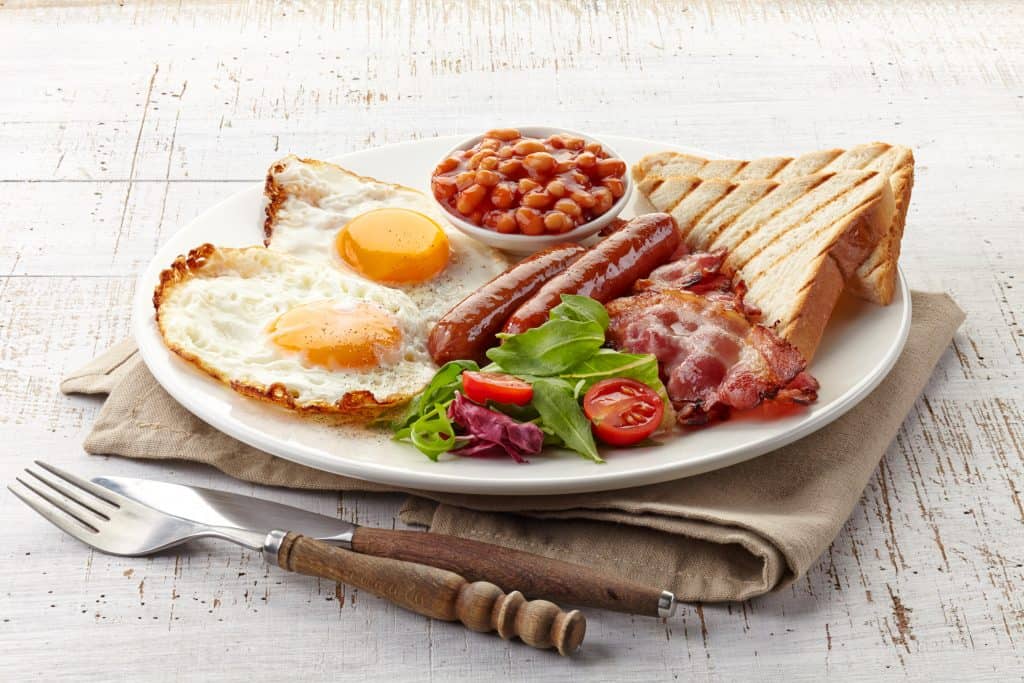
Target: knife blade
223,508
535,575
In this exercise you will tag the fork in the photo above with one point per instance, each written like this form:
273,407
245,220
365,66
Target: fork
117,525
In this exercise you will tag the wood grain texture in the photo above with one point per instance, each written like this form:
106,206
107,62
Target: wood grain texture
119,123
533,575
438,594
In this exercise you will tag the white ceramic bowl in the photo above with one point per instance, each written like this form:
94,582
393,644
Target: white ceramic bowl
528,244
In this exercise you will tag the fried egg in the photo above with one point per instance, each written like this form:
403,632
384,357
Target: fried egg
276,327
388,234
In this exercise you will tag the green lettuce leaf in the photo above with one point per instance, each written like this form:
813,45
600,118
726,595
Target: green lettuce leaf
606,363
548,350
562,417
581,309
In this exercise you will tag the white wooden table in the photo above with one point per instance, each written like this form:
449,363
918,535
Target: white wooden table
118,123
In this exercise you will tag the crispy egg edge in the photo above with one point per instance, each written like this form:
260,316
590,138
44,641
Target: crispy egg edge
354,407
276,193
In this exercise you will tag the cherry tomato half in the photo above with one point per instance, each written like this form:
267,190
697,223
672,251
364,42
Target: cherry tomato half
495,386
623,411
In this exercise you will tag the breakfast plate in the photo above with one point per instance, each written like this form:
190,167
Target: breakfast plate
861,344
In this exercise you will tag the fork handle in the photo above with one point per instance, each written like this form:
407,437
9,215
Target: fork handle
437,593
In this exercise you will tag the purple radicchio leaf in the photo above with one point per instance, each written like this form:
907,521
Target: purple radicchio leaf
489,433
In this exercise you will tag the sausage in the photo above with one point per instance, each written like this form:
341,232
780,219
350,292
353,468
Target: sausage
469,328
614,225
608,270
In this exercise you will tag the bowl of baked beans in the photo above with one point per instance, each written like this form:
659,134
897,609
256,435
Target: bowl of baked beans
527,188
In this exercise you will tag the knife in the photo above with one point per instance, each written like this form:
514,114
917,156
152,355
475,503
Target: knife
534,575
115,524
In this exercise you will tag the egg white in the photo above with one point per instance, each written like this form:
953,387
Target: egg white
214,309
312,200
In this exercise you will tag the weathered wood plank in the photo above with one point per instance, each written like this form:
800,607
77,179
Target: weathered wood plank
119,123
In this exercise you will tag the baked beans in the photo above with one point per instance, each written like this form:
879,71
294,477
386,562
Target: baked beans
531,186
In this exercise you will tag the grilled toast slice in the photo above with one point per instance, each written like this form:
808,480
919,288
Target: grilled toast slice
875,278
794,242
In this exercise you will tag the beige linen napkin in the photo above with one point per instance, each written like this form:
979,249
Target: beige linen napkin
726,535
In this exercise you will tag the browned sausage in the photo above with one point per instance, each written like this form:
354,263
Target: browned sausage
608,270
614,225
467,330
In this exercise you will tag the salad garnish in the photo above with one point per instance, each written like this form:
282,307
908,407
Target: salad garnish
530,394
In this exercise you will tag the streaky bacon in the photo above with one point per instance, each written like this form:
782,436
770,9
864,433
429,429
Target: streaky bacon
712,357
801,389
701,272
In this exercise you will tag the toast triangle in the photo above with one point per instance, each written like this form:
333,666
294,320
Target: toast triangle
875,278
794,242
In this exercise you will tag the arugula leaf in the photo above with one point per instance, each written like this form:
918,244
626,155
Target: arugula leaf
441,389
574,331
525,413
549,349
551,439
580,308
561,416
643,367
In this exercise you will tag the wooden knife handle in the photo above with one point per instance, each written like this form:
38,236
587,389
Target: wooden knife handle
536,576
438,594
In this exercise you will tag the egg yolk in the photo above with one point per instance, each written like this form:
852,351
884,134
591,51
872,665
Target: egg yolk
339,336
393,245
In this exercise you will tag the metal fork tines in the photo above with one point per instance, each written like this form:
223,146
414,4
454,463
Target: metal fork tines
109,521
87,504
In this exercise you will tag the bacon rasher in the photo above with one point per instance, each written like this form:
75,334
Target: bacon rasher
713,355
701,273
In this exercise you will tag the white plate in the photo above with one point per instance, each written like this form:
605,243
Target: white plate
860,346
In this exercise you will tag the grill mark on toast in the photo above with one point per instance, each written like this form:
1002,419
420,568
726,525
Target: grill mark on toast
825,252
671,211
805,219
872,280
710,240
827,249
649,177
682,197
697,219
677,164
720,169
889,162
791,323
780,169
821,178
884,148
801,220
684,230
815,162
871,272
809,283
865,162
